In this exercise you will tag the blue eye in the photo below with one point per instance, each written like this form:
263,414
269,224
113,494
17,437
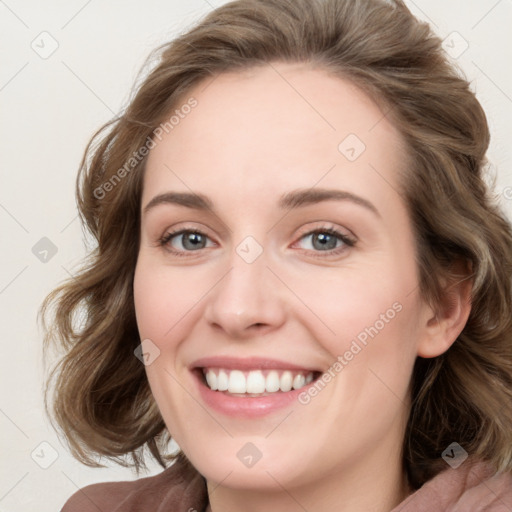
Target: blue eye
185,241
326,240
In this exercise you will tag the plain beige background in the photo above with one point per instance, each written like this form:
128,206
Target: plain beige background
67,67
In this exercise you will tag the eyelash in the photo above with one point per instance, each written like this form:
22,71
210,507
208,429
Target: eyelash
164,241
347,241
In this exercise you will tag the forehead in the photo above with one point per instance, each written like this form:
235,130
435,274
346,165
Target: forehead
277,126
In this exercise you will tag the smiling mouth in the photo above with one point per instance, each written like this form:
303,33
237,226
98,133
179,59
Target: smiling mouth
257,382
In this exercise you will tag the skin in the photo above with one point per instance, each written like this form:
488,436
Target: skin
253,137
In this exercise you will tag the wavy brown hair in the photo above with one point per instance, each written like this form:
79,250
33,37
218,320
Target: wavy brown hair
98,393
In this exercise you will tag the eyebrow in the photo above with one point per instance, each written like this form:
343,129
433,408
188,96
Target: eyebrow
304,197
189,200
290,200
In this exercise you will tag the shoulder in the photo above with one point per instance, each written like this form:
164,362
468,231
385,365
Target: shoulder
486,489
174,488
473,486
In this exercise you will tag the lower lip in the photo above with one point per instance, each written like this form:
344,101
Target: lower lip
248,407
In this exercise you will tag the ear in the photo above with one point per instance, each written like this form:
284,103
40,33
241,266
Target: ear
442,327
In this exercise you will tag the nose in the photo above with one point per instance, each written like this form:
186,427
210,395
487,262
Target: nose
247,300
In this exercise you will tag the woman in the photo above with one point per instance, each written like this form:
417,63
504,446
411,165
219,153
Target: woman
300,275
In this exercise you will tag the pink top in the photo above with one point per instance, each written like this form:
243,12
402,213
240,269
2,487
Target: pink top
180,488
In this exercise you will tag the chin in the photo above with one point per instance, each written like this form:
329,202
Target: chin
245,462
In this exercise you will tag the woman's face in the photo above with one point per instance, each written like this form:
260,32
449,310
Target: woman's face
275,246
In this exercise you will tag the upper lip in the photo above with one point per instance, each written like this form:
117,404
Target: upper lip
247,363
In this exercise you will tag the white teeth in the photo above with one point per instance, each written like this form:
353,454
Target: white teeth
286,381
211,379
222,380
237,382
272,382
255,382
299,381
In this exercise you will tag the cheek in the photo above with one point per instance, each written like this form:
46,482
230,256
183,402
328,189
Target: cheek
165,300
366,322
347,304
166,307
